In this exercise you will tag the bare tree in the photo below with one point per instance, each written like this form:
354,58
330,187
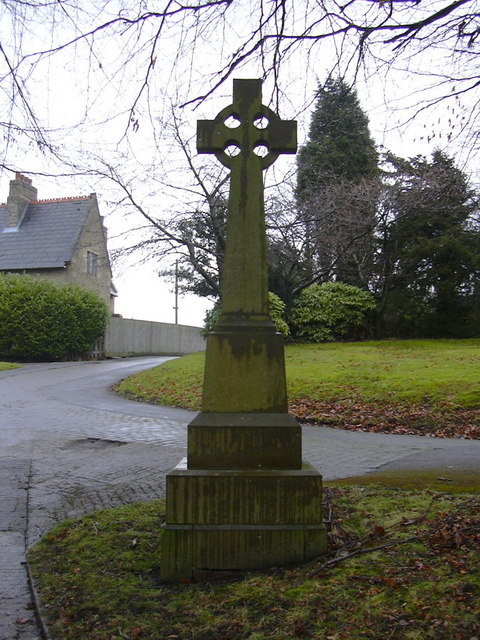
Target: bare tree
125,64
193,232
138,53
180,218
328,240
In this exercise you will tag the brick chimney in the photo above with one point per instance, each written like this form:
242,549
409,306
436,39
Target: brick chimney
21,193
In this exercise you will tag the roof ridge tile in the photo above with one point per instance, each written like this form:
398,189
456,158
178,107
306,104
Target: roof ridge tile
53,200
66,199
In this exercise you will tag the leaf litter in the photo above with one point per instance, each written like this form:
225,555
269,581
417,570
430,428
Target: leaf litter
357,415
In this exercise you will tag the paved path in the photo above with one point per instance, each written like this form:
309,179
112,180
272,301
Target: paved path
69,446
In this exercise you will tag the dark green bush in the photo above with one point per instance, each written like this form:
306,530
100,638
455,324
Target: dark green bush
331,311
212,316
276,309
40,320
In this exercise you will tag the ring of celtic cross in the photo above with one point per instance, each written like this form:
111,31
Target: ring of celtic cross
248,137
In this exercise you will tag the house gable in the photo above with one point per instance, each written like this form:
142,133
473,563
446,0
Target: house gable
52,238
90,264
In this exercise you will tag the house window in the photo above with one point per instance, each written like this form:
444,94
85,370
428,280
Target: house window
91,263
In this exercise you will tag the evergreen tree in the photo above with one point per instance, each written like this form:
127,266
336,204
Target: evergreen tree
431,251
340,146
337,185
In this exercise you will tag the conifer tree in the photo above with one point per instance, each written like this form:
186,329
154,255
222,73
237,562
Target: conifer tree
337,185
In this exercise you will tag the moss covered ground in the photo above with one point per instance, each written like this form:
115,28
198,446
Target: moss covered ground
403,559
402,564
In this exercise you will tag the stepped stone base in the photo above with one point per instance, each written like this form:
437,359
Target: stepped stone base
244,440
230,520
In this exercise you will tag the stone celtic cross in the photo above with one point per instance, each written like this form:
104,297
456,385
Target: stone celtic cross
247,137
243,498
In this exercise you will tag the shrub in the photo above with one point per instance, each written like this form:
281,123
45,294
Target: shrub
331,311
211,318
276,308
41,320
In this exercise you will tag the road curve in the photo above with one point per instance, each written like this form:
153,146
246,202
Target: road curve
70,446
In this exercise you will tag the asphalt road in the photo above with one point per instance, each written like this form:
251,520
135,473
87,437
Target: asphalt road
69,446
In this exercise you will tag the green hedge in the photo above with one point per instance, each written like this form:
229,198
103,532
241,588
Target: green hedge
40,320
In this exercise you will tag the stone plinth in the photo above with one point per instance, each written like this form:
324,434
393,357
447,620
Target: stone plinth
244,371
232,520
244,441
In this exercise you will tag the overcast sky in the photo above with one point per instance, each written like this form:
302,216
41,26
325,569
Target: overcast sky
83,95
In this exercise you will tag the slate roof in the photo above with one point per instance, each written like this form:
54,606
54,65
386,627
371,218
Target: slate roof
47,235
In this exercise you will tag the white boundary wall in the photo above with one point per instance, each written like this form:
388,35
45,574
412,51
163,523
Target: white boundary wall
127,337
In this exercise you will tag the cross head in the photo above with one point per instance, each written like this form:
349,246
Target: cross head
247,129
256,136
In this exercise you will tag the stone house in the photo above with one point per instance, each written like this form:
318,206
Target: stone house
61,239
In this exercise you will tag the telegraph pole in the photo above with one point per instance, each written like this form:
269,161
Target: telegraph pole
176,292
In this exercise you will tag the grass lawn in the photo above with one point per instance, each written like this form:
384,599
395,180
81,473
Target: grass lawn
402,564
8,365
413,386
